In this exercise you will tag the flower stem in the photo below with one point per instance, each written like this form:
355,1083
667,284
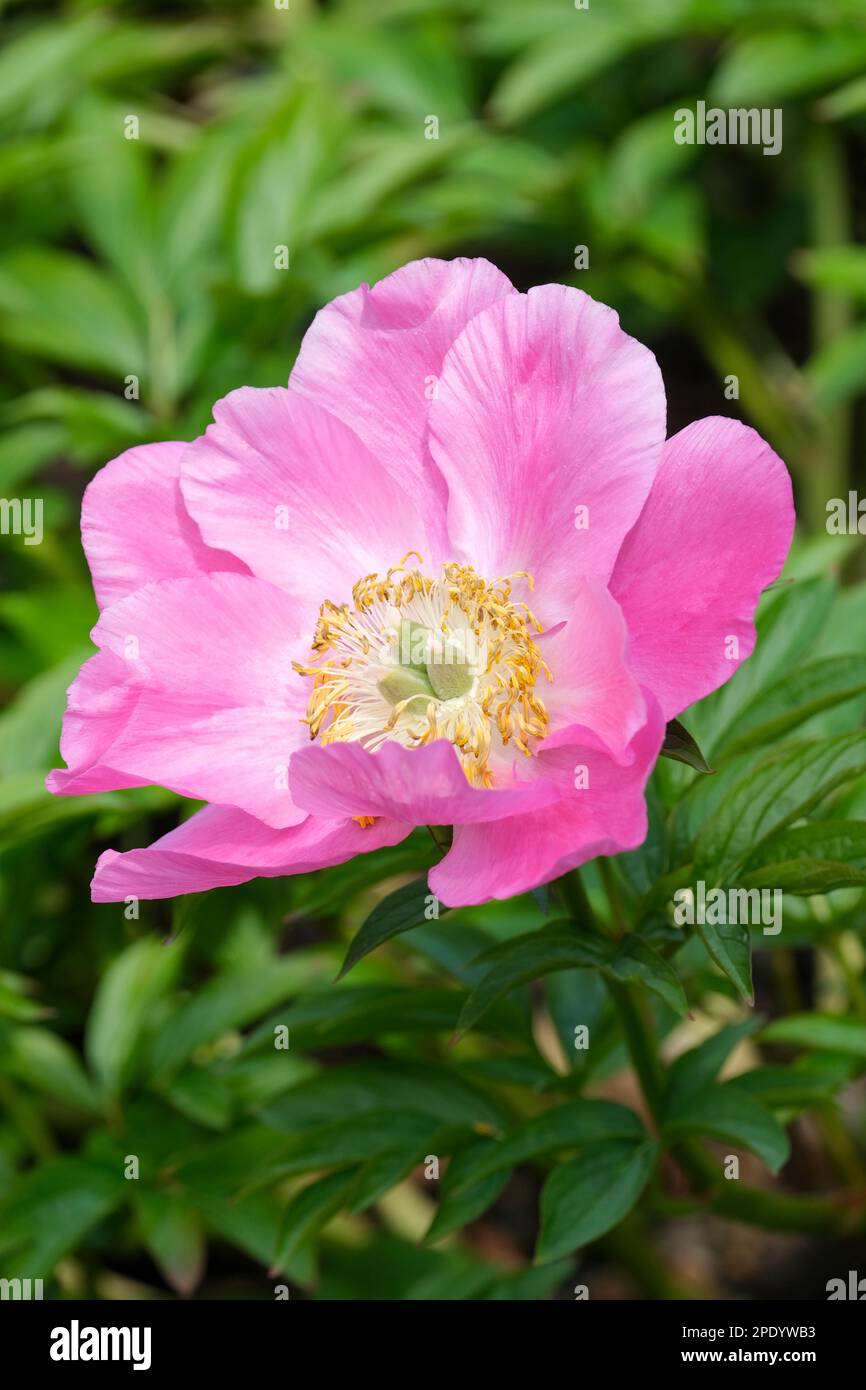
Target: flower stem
576,900
641,1043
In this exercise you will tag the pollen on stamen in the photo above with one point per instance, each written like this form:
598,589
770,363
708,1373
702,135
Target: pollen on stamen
417,658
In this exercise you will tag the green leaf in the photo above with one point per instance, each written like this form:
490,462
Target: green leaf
50,1210
788,1088
229,1001
695,1070
789,621
780,64
402,910
62,307
590,1194
727,1114
135,982
311,1209
457,1209
826,852
172,1232
808,690
569,1126
15,1001
354,1014
203,1096
562,946
825,1032
352,1140
557,946
49,1064
770,797
837,370
276,182
383,1084
730,946
681,746
838,268
637,960
109,182
805,878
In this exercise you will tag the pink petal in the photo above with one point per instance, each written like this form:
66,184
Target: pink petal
100,702
292,490
592,685
605,816
372,357
134,526
421,786
218,706
220,846
714,532
545,405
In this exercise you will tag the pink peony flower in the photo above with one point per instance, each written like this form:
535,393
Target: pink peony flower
453,574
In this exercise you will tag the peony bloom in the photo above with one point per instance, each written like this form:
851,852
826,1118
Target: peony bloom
453,575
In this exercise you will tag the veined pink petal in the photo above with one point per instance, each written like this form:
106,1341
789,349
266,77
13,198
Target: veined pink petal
218,708
601,811
135,529
294,491
220,846
714,532
100,702
423,786
545,406
373,358
592,682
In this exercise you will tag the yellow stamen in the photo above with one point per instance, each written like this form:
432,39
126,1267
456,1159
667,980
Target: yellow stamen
495,704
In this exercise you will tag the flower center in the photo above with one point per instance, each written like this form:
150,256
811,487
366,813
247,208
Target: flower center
416,659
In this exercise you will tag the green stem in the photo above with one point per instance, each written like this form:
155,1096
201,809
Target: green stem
576,901
614,895
832,315
641,1044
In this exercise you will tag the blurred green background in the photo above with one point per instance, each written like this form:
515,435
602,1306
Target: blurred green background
137,286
